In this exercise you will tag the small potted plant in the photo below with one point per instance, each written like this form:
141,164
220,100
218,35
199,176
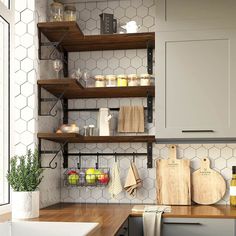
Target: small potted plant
24,177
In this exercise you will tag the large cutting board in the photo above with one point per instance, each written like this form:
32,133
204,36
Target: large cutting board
173,180
208,186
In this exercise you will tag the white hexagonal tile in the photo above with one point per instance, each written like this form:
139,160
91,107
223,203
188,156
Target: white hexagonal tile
31,77
20,102
201,152
31,126
142,11
131,12
20,126
189,152
113,63
136,62
91,64
20,149
20,5
227,173
95,14
90,5
125,62
85,15
148,21
220,163
27,65
214,152
27,113
231,162
20,28
195,163
91,24
227,152
20,53
16,65
102,64
27,89
27,138
27,16
27,40
119,12
148,3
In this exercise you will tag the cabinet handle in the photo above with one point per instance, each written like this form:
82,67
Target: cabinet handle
182,223
198,131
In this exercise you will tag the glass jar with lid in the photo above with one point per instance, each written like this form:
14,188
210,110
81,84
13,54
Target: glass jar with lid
122,81
70,13
110,81
145,80
100,81
133,80
56,10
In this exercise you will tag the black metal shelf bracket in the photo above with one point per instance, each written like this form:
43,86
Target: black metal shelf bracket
149,108
51,112
149,58
149,155
41,152
56,45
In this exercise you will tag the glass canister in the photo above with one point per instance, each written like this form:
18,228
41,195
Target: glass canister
70,13
145,80
110,81
122,81
57,10
133,80
100,81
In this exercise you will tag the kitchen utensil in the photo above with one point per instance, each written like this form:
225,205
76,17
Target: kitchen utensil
173,180
104,122
108,25
131,27
208,186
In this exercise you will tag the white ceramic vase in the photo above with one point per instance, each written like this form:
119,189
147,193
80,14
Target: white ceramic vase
25,205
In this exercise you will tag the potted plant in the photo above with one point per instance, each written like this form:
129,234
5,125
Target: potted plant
24,177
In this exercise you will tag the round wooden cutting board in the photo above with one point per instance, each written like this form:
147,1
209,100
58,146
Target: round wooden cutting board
208,186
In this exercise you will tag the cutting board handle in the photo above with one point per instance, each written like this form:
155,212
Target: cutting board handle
172,152
205,164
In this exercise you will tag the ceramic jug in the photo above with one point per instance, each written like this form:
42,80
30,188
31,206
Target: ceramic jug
104,122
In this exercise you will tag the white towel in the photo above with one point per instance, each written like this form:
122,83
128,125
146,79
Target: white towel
152,219
115,185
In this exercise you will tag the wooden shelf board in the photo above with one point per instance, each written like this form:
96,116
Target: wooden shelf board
73,90
77,138
75,41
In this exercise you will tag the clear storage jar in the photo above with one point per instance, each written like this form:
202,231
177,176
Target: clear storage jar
145,80
100,81
133,80
56,11
69,13
110,81
122,81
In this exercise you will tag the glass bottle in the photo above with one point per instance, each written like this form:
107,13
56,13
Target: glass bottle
233,187
57,10
69,13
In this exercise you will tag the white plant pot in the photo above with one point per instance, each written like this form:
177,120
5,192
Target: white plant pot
25,205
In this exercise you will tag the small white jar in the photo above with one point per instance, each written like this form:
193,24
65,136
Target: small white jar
145,80
110,81
133,80
100,81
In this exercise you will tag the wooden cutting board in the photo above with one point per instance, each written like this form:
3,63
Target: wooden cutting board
173,180
208,186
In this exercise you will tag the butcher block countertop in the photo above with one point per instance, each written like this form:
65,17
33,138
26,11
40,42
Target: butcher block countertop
111,216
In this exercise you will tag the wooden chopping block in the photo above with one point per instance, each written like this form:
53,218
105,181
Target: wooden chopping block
173,180
208,186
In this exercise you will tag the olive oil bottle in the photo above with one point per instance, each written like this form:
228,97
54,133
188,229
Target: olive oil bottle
233,187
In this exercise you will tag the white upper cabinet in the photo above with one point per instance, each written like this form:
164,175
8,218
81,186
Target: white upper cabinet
196,84
195,14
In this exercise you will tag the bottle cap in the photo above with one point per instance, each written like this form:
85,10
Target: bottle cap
234,169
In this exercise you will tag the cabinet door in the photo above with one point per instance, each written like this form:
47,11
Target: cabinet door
195,15
198,227
196,85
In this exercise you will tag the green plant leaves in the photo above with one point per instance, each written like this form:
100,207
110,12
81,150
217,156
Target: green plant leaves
25,173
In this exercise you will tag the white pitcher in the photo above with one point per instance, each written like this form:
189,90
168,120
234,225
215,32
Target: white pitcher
104,122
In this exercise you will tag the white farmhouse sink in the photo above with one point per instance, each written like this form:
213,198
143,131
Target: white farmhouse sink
33,228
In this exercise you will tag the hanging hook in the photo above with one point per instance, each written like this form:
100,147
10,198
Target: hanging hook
133,157
79,163
115,157
97,161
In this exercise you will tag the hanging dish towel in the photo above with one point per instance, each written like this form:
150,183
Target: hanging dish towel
131,119
152,219
133,180
115,185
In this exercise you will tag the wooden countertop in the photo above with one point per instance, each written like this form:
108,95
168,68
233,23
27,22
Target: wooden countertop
111,216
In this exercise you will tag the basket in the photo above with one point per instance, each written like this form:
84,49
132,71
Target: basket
87,177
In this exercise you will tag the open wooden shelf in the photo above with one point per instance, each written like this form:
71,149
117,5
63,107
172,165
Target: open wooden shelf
77,138
72,39
72,89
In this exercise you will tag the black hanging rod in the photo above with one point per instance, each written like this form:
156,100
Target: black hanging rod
94,109
107,154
